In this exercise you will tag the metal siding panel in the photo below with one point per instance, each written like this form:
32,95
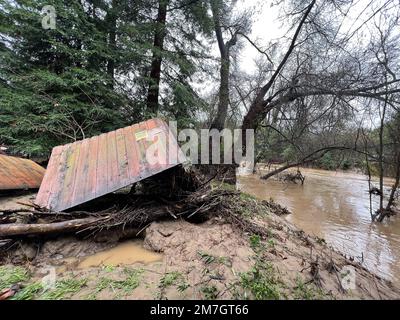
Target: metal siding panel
6,180
45,188
156,166
65,199
57,181
123,174
17,173
132,154
91,168
144,167
112,161
90,186
79,192
102,171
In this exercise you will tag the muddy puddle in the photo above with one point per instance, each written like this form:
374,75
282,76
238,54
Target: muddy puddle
335,207
124,254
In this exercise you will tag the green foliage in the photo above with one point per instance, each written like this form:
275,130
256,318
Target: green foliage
346,165
209,259
170,279
73,82
262,282
255,241
289,153
304,291
10,275
63,289
210,292
127,285
327,162
57,88
132,280
29,292
183,286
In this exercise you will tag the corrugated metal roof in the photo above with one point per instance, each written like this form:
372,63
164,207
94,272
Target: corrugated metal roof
18,173
85,170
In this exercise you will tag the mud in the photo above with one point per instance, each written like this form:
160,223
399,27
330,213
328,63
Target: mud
199,259
213,260
127,253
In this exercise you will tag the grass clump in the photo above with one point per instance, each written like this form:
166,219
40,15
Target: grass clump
29,292
210,292
209,259
103,284
12,275
262,282
127,285
255,241
170,279
132,280
63,289
183,286
304,291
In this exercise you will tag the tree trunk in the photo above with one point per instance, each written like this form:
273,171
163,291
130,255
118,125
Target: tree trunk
381,157
223,103
395,186
112,42
261,106
158,47
224,49
12,230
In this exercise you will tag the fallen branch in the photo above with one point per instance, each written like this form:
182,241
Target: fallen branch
13,230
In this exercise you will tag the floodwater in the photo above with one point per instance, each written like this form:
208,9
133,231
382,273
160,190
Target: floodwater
335,206
126,253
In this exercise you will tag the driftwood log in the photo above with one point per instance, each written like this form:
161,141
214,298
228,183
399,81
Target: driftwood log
14,229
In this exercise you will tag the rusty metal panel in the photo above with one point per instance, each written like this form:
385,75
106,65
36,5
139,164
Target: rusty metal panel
19,174
88,169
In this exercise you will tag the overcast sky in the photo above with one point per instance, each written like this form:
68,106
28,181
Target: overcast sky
265,28
267,25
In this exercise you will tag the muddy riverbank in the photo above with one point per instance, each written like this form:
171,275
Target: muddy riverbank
222,258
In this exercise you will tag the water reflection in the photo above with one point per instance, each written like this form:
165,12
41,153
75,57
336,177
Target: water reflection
335,206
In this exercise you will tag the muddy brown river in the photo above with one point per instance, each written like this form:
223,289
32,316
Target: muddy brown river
335,206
